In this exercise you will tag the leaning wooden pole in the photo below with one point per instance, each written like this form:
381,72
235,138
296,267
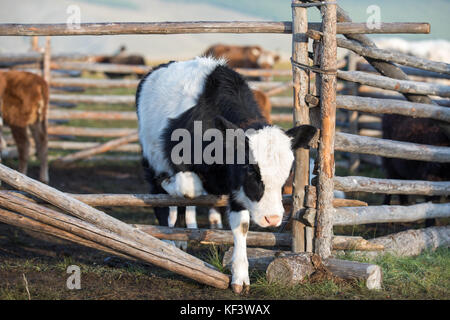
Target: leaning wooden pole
157,252
107,146
301,116
324,218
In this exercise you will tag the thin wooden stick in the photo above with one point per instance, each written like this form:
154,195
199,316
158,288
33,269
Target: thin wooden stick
107,146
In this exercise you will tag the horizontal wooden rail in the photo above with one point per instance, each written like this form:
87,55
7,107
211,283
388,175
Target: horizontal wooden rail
94,83
391,106
75,145
390,148
361,66
254,238
129,83
113,28
142,69
403,86
393,56
383,214
392,186
32,57
89,132
100,67
55,114
95,99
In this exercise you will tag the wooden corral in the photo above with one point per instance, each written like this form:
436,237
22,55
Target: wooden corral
312,241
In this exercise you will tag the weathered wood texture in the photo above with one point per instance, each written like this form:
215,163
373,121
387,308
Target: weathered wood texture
410,242
254,238
24,222
392,56
391,186
159,253
101,67
290,268
403,86
214,236
311,200
390,148
324,221
107,146
102,99
380,214
33,57
361,66
385,68
300,81
90,132
56,114
391,106
111,28
74,145
165,200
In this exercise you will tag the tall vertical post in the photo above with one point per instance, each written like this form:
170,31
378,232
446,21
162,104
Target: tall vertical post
301,116
325,187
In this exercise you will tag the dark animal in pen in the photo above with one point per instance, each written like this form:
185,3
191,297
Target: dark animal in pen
24,101
121,58
421,131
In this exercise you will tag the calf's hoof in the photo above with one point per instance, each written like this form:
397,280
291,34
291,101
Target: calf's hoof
240,289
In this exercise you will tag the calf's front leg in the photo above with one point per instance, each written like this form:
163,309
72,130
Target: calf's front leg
239,223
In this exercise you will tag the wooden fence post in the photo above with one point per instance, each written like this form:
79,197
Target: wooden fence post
301,116
324,217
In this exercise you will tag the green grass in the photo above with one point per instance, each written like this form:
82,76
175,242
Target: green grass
426,276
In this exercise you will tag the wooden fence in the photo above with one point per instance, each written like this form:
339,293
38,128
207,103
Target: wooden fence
314,209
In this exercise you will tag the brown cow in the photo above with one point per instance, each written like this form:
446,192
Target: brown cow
24,102
253,57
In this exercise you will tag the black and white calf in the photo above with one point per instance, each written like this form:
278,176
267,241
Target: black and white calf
180,95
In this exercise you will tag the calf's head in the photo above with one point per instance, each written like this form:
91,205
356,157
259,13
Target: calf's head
257,184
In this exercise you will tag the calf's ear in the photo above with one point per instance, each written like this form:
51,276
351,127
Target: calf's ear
302,136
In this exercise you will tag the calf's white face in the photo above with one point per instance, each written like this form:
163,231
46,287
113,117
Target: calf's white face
261,193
